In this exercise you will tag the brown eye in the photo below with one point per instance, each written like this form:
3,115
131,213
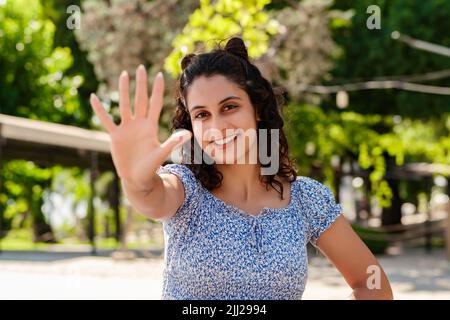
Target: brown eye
197,116
231,106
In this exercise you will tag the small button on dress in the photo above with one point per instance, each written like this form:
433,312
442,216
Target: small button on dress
216,251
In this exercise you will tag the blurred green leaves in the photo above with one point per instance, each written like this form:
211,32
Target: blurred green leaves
33,83
369,139
213,22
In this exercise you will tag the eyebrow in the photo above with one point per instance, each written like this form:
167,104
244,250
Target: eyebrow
222,101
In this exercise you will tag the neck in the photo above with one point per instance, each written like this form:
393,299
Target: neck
240,181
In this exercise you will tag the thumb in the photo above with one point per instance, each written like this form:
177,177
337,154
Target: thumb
176,139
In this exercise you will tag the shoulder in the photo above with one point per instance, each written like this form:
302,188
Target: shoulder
312,189
315,197
185,174
188,181
319,206
175,168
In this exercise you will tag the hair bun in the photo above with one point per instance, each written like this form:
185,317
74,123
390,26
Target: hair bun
237,47
187,59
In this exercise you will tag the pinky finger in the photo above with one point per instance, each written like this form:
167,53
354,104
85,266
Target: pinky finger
101,113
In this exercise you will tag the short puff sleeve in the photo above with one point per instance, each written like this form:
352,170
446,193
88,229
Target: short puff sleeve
190,185
321,208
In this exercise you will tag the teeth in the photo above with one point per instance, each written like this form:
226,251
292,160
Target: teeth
221,142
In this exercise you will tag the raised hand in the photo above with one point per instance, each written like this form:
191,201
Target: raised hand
135,147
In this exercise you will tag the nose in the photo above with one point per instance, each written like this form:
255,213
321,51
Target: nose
217,128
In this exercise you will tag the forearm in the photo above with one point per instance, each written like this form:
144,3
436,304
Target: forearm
365,293
144,199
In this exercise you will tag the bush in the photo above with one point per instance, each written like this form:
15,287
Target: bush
375,240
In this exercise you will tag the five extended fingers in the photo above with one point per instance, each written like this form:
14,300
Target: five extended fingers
141,100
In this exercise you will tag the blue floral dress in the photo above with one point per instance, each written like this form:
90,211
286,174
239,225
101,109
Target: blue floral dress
214,250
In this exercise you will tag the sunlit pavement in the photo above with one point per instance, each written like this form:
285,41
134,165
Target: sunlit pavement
414,275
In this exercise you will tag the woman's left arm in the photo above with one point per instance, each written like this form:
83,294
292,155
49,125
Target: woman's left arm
361,270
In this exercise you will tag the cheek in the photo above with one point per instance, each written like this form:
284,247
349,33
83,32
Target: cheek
249,118
198,131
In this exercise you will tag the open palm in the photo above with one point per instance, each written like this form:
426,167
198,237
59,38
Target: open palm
135,147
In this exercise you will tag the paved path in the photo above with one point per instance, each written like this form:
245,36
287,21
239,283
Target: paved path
414,275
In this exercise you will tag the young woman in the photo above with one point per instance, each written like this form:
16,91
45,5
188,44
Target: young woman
231,231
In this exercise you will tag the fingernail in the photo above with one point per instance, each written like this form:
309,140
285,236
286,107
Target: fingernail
160,74
141,66
124,73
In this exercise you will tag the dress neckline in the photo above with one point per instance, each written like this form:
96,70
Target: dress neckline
263,212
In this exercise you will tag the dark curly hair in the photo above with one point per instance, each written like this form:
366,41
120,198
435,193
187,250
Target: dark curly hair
233,63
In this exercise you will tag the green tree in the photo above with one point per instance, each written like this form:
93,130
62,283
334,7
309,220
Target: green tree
367,54
33,84
56,11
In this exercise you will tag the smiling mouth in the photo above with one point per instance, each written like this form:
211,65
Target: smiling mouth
224,141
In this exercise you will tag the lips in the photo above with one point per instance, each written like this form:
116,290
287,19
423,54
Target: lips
225,141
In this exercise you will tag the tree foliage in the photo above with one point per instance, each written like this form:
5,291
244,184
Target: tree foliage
33,83
222,19
367,54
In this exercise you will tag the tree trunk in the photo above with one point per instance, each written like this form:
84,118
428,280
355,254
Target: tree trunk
393,214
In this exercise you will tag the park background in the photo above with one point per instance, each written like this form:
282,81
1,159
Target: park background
367,111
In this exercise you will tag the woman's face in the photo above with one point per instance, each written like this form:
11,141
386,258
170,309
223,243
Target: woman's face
222,116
